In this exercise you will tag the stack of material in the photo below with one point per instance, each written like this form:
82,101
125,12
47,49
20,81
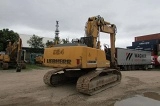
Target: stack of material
147,37
148,43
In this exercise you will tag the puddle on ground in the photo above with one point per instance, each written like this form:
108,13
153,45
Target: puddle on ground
147,99
152,95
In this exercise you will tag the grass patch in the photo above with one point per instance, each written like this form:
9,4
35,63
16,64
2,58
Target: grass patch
33,66
29,67
157,69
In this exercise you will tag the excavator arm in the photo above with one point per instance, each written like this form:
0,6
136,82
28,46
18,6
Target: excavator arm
19,51
94,26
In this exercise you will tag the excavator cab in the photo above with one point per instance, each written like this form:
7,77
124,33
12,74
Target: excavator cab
87,41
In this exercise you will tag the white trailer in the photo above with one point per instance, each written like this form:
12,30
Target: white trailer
131,59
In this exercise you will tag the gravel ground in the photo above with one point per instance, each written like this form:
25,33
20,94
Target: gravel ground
27,89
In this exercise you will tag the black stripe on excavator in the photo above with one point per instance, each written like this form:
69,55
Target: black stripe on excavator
59,61
91,62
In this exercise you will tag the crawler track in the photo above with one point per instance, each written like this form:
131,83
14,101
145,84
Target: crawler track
90,83
98,81
57,77
53,78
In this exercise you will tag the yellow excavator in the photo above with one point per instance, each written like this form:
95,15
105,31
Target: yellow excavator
39,59
13,56
84,60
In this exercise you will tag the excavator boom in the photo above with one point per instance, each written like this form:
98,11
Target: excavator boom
94,26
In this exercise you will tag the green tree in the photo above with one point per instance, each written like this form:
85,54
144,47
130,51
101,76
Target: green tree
49,43
36,42
64,41
56,40
5,36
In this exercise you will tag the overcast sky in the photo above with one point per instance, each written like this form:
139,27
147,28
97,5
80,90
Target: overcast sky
132,17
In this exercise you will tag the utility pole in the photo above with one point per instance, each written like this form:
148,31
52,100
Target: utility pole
57,33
